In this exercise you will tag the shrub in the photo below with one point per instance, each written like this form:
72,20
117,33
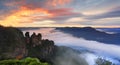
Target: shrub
26,61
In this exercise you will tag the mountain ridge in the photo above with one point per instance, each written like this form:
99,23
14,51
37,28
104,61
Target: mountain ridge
90,33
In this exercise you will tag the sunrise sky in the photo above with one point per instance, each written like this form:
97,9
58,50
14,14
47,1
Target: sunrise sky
60,13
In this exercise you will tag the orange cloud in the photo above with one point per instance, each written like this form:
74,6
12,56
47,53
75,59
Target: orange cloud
29,13
21,15
62,12
58,2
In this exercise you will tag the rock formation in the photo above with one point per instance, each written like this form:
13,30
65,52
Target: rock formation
37,47
13,44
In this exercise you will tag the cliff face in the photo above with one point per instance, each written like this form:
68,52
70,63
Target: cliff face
12,43
43,49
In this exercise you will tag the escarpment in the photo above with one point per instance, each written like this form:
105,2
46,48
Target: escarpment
14,44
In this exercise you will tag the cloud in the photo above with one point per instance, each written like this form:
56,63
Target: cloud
21,15
108,21
59,14
44,22
27,15
110,14
77,20
63,14
67,56
21,12
33,3
10,5
62,11
56,3
29,11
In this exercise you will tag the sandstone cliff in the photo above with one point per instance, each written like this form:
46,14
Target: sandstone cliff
43,49
14,44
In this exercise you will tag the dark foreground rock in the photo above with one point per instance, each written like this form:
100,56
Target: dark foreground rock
13,44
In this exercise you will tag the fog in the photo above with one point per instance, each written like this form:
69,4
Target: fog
64,39
67,56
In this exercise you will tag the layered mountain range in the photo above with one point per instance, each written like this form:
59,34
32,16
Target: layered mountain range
90,33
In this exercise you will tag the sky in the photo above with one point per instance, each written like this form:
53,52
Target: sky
60,13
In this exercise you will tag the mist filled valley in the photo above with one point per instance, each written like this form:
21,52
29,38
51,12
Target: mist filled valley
79,50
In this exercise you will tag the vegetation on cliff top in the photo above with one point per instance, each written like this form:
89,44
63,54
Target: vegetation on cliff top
26,61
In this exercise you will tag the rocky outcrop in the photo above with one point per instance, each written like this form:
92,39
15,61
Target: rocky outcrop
12,44
43,49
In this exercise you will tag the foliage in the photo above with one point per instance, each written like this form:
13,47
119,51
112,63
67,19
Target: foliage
26,61
101,61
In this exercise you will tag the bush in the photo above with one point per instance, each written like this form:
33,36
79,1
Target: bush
101,61
26,61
